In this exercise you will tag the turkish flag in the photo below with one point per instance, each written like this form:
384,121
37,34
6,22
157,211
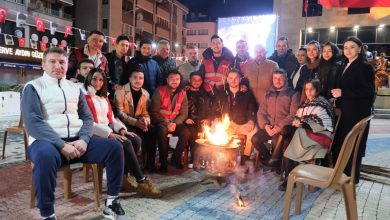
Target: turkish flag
68,29
306,6
43,46
22,42
40,24
3,15
354,3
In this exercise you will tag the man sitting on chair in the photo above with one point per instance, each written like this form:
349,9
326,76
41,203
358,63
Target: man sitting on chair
276,112
169,109
59,123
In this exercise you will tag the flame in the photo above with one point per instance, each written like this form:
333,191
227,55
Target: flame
219,135
240,202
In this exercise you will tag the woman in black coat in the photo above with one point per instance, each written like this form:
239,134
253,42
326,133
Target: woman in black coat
355,96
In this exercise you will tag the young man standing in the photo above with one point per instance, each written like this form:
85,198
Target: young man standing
92,50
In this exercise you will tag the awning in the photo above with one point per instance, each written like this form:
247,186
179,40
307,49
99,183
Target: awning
20,65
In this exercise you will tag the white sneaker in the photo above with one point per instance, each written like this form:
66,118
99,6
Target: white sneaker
190,165
115,211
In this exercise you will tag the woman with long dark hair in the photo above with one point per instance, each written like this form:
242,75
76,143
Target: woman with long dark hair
310,70
105,125
355,92
314,121
327,70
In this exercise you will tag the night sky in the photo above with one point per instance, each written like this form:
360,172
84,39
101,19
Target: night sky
217,8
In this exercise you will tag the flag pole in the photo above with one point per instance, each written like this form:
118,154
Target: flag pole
305,9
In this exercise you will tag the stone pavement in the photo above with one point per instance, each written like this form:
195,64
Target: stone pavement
192,195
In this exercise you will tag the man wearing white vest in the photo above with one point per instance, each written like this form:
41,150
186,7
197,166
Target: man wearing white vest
59,123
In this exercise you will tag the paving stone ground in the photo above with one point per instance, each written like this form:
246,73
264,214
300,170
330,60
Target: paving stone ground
192,195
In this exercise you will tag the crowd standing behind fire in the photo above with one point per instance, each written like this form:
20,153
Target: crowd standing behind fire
153,98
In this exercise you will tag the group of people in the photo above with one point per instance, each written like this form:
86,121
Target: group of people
105,108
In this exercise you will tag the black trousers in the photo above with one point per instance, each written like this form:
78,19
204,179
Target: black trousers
163,143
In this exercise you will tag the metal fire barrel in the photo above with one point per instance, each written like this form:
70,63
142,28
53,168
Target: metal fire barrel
218,160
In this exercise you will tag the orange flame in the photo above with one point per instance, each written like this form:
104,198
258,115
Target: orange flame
219,135
240,202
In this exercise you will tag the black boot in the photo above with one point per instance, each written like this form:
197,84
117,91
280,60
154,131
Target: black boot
276,154
289,165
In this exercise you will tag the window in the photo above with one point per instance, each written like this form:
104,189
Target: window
105,2
127,6
191,32
105,23
203,45
352,11
203,32
163,23
313,8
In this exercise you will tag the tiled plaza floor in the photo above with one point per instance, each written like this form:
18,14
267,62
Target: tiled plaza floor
186,196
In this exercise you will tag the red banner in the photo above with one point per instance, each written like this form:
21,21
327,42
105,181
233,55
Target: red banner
354,3
3,15
22,42
40,24
43,46
113,41
306,6
68,29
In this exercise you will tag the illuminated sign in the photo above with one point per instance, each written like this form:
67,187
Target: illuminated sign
11,52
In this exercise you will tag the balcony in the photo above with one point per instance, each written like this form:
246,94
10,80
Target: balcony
48,11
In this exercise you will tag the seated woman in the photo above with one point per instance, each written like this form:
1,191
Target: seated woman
315,123
105,125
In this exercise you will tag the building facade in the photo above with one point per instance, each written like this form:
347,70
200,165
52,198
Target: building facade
18,63
333,24
153,19
199,34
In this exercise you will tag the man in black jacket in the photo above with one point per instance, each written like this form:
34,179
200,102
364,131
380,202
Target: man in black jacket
284,56
117,60
241,108
199,104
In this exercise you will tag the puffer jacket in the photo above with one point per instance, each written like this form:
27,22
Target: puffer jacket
287,62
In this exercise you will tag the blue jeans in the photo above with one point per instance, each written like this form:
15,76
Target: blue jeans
47,159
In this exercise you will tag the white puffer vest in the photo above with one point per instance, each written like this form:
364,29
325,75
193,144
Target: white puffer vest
59,102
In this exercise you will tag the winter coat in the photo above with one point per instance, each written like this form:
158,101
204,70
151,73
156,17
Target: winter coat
278,108
259,76
126,111
199,105
166,65
150,69
287,61
240,107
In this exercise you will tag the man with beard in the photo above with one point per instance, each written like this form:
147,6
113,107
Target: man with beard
217,60
275,116
284,56
169,109
242,57
144,62
240,106
191,65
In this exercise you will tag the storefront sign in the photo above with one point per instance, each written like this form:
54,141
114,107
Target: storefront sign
20,54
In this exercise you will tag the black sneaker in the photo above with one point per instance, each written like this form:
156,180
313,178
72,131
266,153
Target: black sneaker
115,211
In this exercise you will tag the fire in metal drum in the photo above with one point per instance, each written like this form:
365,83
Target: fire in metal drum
218,160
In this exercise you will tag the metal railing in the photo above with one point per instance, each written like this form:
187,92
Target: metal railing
42,9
